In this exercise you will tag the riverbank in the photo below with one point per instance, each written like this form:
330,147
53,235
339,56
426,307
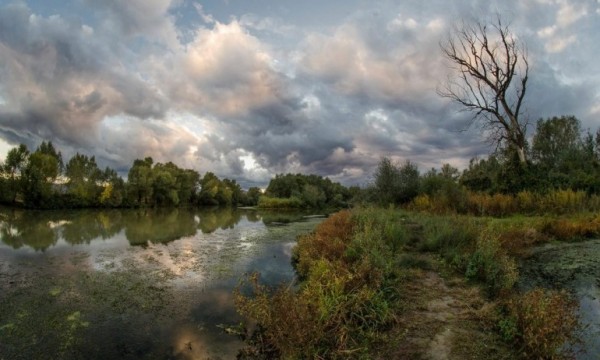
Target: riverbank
382,283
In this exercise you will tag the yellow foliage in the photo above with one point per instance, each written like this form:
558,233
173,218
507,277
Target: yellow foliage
106,194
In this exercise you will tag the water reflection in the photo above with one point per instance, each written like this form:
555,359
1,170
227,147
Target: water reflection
41,230
33,229
122,284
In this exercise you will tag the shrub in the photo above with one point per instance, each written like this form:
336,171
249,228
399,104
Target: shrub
328,241
422,203
563,201
572,228
267,202
489,263
346,300
545,320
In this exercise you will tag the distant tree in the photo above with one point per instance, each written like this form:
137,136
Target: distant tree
554,138
187,181
139,182
83,179
396,184
564,155
490,80
482,174
16,160
387,181
164,185
409,181
37,179
236,191
209,187
48,148
252,196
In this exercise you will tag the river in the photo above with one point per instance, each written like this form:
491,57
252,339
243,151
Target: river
130,284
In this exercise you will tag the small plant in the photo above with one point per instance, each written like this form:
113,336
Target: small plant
546,320
508,328
490,264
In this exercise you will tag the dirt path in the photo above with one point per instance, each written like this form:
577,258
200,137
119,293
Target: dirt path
446,319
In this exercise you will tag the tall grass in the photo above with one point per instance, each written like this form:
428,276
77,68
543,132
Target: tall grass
555,202
353,269
348,295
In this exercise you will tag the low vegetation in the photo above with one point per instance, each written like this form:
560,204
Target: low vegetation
356,273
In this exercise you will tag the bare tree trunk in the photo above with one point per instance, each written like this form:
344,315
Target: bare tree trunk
490,80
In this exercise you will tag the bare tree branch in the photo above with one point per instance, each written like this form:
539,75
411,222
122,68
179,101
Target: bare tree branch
490,80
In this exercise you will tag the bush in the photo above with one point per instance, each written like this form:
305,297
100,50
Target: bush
572,228
347,299
489,263
545,321
267,202
328,241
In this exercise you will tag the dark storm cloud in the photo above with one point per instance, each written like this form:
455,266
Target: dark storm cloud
248,96
59,80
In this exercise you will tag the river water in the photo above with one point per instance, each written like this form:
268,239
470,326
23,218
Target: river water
574,267
131,284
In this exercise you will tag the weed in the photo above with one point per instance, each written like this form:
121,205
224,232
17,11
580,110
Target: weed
545,320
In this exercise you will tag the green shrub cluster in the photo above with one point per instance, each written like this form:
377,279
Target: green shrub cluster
267,202
353,267
347,299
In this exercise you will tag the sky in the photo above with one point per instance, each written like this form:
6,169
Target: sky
248,89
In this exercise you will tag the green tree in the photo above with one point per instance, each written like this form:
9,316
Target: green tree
209,187
313,196
48,148
139,182
37,179
16,160
564,156
164,185
83,179
188,182
396,184
236,190
482,174
252,196
113,190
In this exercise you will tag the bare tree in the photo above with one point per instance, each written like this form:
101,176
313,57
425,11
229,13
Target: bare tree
490,72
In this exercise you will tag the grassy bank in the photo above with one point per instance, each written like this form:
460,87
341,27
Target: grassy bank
371,278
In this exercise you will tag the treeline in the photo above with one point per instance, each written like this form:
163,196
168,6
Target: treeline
40,179
304,191
563,174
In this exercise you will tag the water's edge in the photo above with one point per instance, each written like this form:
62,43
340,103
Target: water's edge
576,268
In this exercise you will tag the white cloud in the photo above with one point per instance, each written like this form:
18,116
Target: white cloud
224,70
400,23
547,32
569,14
558,44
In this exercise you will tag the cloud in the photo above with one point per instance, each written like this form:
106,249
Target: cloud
568,13
224,71
149,19
248,96
560,35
